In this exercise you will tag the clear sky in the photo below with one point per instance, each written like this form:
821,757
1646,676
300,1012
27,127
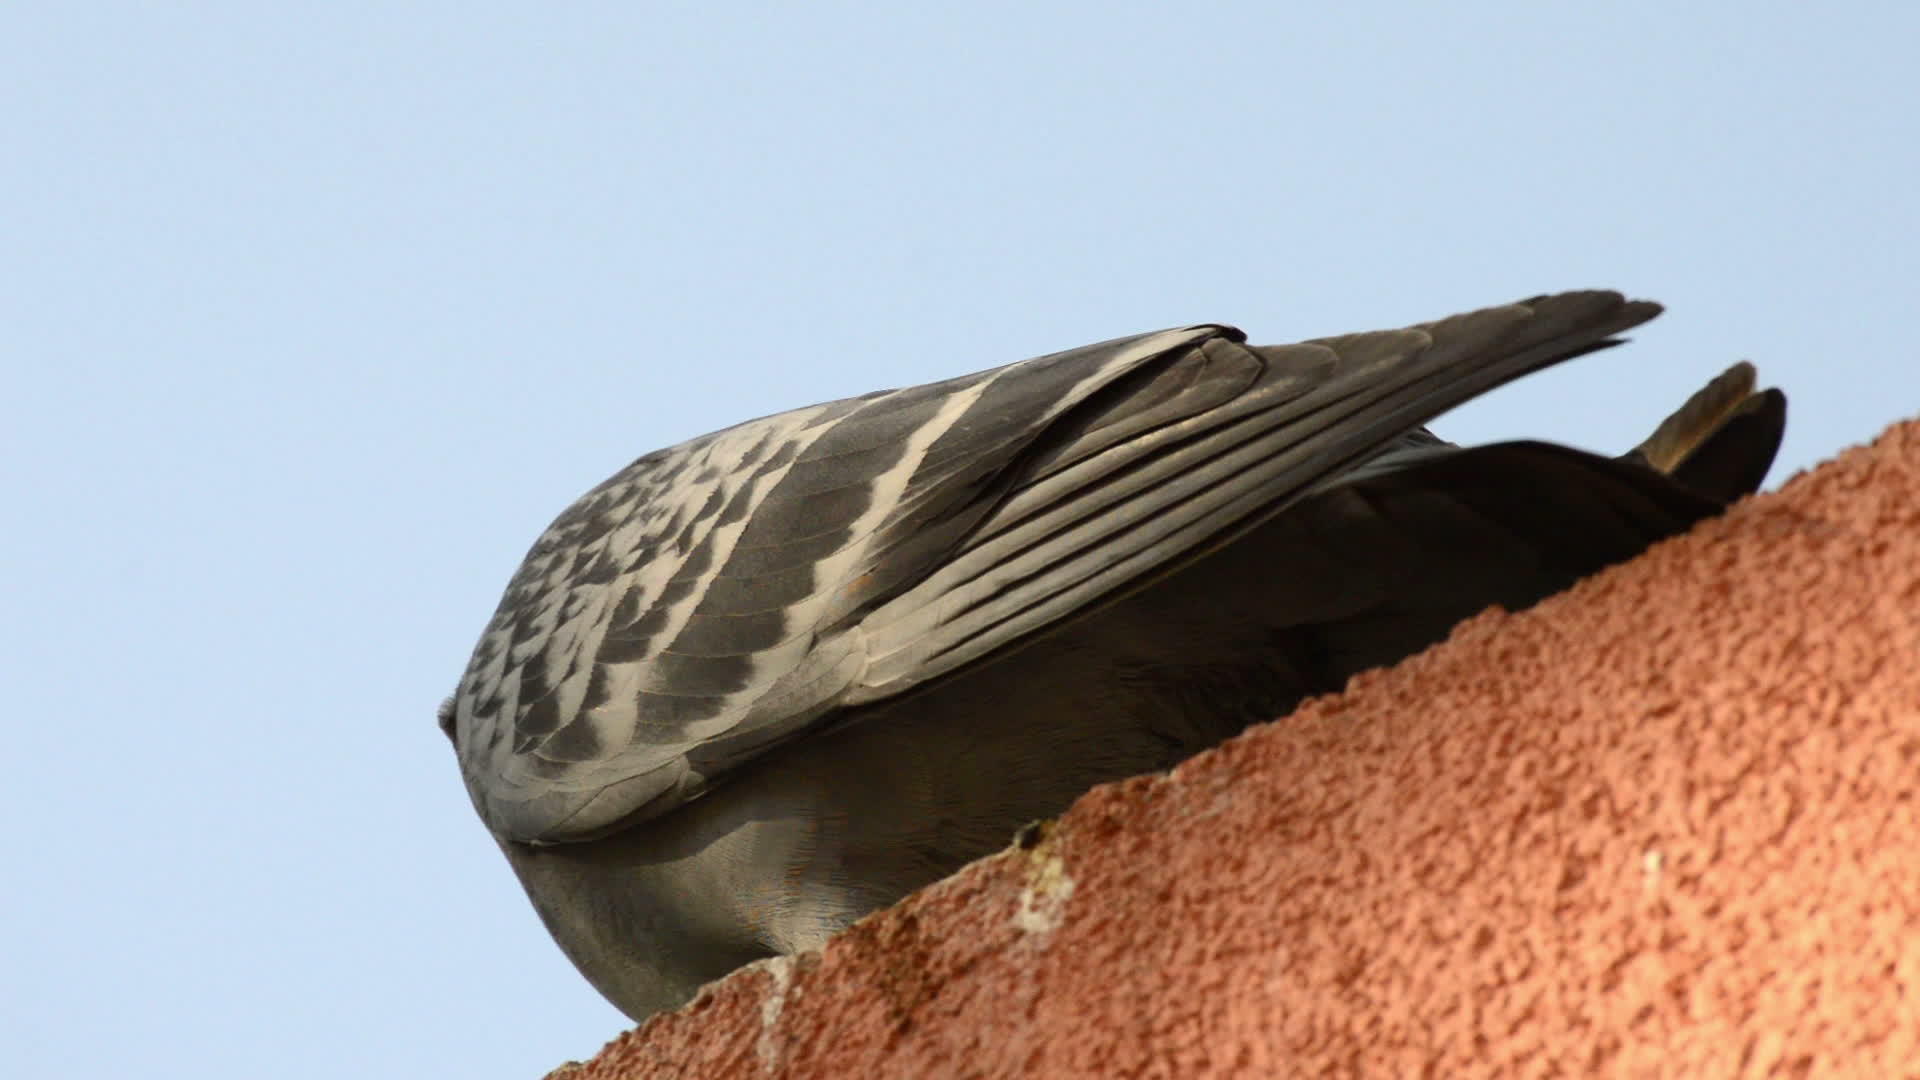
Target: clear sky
313,315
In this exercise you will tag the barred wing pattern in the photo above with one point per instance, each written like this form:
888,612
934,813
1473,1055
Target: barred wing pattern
718,597
702,584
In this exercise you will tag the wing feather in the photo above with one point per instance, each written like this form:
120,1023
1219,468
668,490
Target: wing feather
1079,535
677,618
721,596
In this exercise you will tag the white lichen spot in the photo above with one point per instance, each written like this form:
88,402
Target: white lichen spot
780,970
1043,903
1651,863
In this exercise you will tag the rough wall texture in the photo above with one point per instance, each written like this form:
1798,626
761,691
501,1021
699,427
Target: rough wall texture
1663,825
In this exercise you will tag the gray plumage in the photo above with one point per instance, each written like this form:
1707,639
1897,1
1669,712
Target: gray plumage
764,682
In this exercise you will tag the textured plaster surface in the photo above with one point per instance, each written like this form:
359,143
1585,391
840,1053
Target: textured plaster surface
1662,825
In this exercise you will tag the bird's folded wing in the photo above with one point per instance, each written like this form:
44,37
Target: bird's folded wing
699,587
718,598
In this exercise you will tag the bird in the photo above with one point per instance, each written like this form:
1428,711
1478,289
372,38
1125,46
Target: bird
760,684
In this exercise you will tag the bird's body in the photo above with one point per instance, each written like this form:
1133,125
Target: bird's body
765,682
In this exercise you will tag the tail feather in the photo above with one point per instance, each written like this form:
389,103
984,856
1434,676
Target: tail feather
1721,442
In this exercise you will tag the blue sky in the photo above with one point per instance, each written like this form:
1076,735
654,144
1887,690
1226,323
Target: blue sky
316,314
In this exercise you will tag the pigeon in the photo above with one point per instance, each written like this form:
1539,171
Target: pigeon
765,682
